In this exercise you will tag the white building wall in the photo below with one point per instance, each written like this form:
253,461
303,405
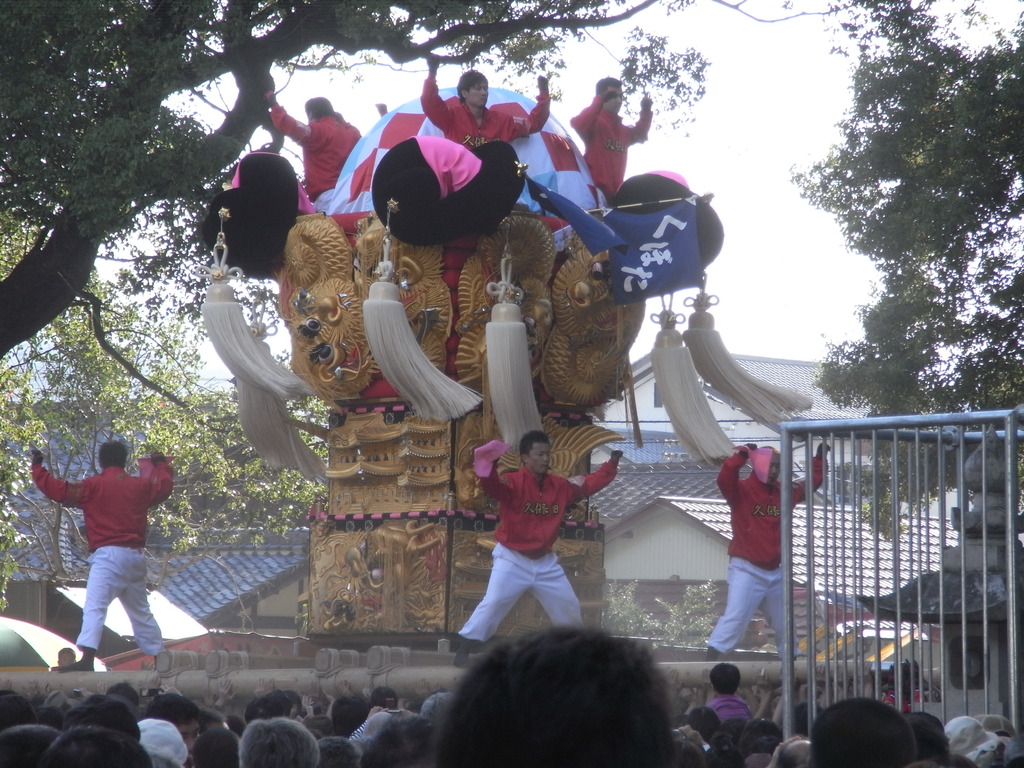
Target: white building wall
663,546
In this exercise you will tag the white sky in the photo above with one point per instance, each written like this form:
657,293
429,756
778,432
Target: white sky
785,281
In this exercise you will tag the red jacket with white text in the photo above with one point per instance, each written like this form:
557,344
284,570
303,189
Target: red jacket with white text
756,511
454,118
530,514
605,141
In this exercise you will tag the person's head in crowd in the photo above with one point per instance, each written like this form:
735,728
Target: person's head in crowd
929,735
1013,754
725,678
733,726
319,725
337,752
66,656
103,711
375,722
413,705
92,746
472,88
113,453
277,743
15,709
160,737
689,754
723,752
566,697
215,748
211,718
402,742
60,700
795,754
127,692
235,724
968,738
436,705
270,704
348,713
756,729
181,712
383,696
838,736
997,724
160,760
21,746
961,761
51,716
704,720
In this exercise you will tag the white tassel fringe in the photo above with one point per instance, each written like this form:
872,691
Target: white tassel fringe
764,402
685,401
248,358
430,393
265,422
508,374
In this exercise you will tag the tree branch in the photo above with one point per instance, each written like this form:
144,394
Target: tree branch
738,7
92,301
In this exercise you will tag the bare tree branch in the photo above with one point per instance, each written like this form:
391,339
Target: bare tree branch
95,306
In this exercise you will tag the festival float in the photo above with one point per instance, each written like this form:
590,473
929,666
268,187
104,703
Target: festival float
434,315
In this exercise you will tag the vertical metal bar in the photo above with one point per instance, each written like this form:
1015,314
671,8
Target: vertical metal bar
1012,592
961,456
896,570
877,574
943,517
985,635
788,620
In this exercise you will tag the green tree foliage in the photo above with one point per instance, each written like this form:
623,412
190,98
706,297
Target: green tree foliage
927,182
65,395
687,622
101,150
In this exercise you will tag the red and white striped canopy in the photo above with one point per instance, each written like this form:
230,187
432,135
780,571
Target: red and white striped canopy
551,155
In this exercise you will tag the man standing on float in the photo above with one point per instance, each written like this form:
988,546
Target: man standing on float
532,506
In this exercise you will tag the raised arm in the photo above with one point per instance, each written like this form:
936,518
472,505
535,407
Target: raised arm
433,105
729,474
284,122
53,488
601,477
584,122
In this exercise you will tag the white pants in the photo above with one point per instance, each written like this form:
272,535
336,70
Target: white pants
749,587
513,574
119,573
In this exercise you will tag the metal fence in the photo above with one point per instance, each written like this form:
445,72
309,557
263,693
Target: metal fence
909,559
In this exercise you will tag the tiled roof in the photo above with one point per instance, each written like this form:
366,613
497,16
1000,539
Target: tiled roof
798,375
658,448
840,565
34,553
220,582
795,374
636,486
207,585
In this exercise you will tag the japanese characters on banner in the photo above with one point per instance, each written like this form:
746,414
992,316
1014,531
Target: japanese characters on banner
649,254
661,255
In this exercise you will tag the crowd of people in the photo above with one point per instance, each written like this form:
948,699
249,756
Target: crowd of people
567,697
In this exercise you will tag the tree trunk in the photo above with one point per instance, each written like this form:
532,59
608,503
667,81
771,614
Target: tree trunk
44,283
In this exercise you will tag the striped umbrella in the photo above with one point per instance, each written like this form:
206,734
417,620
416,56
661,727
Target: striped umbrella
551,155
25,646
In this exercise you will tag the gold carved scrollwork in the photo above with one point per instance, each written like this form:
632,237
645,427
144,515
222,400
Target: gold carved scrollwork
587,351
